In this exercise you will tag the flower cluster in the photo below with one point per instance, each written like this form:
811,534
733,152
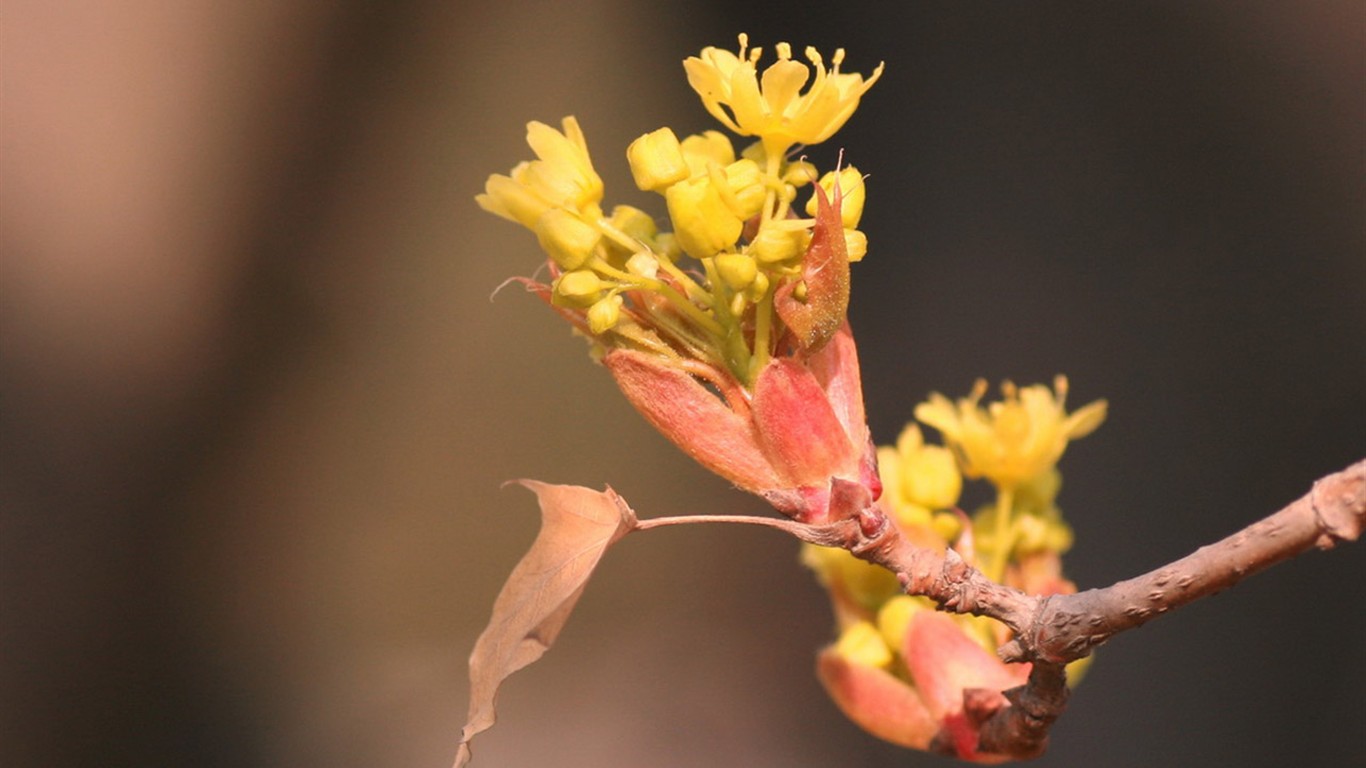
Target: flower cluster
727,330
899,668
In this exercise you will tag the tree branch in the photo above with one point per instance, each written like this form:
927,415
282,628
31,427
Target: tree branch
1054,630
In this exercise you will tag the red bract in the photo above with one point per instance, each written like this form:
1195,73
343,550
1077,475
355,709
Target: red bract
817,316
799,440
943,663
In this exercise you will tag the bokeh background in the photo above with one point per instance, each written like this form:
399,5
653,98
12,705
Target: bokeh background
257,403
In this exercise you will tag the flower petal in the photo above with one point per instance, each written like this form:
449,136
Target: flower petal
782,81
1083,422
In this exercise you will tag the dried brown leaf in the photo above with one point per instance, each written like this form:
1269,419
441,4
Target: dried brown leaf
577,525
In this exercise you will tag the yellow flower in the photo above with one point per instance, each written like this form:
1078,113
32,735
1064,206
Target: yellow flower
773,107
562,177
1013,440
917,478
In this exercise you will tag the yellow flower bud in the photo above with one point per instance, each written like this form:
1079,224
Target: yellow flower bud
758,288
895,616
855,244
800,173
703,223
852,193
666,244
778,241
746,184
947,526
634,223
657,160
861,643
567,238
643,264
705,149
580,287
736,269
929,473
604,314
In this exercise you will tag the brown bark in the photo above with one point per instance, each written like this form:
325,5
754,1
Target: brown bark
1054,630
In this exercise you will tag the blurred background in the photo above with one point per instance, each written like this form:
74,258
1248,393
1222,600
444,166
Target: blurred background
257,405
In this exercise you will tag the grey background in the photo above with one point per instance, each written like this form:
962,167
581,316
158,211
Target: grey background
257,405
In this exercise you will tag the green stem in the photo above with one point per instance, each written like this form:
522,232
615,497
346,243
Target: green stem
763,328
736,353
1002,533
772,163
690,286
676,299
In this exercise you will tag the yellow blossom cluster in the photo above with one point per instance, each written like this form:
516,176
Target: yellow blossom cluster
1012,440
1015,444
709,288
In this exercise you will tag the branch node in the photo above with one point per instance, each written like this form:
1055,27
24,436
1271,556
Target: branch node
1339,504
